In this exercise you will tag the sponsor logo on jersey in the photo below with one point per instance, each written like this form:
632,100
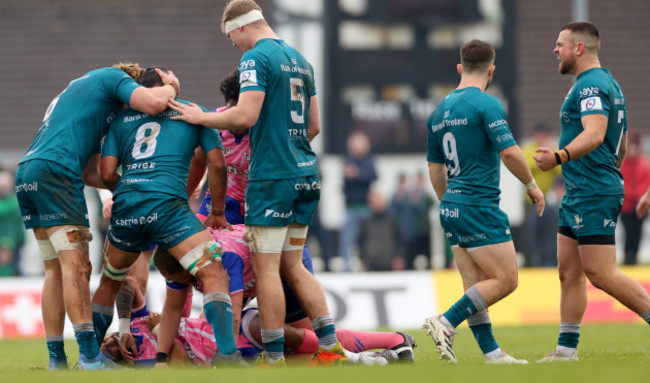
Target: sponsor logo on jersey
591,103
25,187
277,214
246,64
248,78
496,124
589,91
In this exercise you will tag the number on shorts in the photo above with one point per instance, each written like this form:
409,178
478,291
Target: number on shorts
145,140
449,148
296,85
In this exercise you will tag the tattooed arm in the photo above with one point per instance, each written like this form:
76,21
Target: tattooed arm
128,298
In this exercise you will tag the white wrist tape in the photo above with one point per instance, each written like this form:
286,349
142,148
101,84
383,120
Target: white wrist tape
243,20
531,184
125,326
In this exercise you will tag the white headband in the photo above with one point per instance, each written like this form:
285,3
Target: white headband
243,20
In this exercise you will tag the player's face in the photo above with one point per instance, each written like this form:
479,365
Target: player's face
564,51
111,346
238,39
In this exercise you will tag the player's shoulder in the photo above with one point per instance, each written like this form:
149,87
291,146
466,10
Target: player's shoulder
593,82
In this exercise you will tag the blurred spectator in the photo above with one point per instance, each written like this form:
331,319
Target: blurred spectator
538,231
636,174
402,210
358,174
12,232
380,246
422,201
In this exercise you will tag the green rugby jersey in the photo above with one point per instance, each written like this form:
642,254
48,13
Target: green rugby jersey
595,92
280,146
466,132
78,117
155,151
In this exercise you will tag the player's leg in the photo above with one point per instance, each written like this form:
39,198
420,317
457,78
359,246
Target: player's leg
200,255
599,262
573,297
117,264
52,302
266,246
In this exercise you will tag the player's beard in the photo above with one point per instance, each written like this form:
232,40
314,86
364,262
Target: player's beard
567,65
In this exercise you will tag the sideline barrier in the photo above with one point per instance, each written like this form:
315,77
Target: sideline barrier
391,300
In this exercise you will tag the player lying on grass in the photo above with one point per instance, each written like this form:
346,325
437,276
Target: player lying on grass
236,260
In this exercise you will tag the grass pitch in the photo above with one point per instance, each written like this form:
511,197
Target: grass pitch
608,353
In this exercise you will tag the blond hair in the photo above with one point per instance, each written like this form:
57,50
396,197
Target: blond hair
236,8
132,69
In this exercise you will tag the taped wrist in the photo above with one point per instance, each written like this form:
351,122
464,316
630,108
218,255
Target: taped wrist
125,326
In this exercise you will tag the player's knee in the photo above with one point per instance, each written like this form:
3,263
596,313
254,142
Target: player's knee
71,237
598,278
201,256
266,239
114,273
48,252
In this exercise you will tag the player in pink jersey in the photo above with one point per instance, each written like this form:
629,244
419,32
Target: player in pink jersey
299,335
237,151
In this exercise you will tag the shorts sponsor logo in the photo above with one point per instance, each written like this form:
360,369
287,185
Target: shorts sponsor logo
472,238
609,223
134,180
449,213
25,187
578,220
135,221
307,186
591,103
117,240
308,163
177,234
53,217
277,214
27,218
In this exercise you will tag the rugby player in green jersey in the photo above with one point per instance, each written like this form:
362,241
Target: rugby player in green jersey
278,103
467,136
593,141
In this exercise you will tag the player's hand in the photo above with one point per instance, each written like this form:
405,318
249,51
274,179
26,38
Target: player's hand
536,195
169,77
190,113
106,209
545,158
128,348
643,205
217,221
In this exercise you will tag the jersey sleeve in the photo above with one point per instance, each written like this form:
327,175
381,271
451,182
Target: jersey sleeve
434,150
123,85
234,265
312,87
592,99
252,71
496,126
109,147
210,139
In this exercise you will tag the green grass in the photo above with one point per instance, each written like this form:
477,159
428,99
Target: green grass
608,353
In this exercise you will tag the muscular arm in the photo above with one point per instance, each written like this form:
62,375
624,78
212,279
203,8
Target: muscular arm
593,134
438,175
91,174
239,118
154,100
110,176
218,181
314,118
237,300
515,161
171,318
197,170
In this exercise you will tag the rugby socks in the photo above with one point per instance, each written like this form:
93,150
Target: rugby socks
85,335
102,318
273,343
471,303
481,327
56,350
325,331
567,342
218,311
355,341
646,316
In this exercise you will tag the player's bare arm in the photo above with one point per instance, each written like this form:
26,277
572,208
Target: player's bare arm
438,175
239,118
513,158
91,174
218,179
594,129
314,118
169,322
124,302
154,100
197,171
110,176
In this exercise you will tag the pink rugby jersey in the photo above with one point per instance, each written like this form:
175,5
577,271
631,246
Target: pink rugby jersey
237,150
236,260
